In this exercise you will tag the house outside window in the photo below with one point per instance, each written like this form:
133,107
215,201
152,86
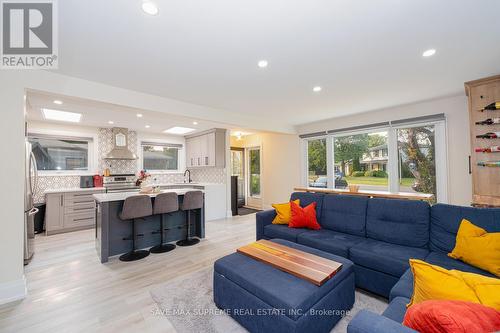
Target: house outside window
160,156
61,154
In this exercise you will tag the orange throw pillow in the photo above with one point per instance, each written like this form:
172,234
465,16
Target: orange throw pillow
451,317
303,217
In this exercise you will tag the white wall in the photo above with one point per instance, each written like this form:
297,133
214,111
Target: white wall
12,285
457,120
280,171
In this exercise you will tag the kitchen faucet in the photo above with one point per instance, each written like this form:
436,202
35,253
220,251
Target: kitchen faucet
189,173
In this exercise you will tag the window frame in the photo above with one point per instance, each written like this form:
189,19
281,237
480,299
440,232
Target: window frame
248,172
179,147
91,152
441,151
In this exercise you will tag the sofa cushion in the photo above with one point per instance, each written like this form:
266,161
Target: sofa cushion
404,287
446,219
403,222
396,309
307,198
345,213
282,231
388,258
330,241
442,260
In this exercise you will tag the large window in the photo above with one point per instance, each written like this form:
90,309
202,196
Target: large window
60,154
407,157
254,168
316,163
361,159
417,163
160,157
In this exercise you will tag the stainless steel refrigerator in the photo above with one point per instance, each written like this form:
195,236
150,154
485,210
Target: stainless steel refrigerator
31,182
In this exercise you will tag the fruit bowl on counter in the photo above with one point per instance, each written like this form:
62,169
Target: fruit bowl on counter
149,190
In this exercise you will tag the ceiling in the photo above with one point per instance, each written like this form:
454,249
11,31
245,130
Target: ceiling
98,114
365,54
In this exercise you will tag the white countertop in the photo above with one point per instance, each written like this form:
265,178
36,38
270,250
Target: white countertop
120,196
74,189
191,184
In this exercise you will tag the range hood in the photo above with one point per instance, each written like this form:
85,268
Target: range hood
120,146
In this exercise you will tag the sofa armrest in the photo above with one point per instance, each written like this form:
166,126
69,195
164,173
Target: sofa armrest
368,322
262,219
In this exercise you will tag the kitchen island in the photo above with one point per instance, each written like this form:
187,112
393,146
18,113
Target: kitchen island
111,230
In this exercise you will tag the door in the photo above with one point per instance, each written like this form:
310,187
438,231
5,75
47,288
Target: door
238,170
254,184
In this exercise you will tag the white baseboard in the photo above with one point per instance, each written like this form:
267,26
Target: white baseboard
13,291
229,213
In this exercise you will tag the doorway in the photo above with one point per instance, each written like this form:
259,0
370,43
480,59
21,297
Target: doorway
253,177
238,172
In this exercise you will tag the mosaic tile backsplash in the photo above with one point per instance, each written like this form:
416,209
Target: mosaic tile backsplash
104,145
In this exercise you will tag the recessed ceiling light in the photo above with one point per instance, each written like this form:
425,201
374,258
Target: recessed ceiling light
317,89
50,114
147,126
149,7
111,122
195,123
178,130
429,53
139,115
262,63
58,102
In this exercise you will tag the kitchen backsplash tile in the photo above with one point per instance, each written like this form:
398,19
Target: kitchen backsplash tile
104,146
209,175
53,183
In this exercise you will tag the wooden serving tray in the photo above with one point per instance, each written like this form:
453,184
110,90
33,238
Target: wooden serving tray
304,265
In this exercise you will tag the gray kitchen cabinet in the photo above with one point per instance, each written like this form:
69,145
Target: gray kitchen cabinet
206,149
70,211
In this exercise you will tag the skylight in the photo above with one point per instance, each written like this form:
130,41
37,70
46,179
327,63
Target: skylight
71,117
178,130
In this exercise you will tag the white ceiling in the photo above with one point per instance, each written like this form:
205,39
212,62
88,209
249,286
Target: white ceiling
98,114
365,54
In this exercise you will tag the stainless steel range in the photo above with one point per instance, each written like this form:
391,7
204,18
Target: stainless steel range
121,183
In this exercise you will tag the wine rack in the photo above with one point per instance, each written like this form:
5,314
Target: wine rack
484,103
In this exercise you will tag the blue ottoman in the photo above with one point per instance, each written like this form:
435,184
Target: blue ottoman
264,299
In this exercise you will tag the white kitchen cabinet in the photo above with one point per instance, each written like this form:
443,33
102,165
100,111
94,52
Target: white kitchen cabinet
70,210
206,149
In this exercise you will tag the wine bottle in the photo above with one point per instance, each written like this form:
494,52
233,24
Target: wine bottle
489,163
489,121
492,149
492,106
490,135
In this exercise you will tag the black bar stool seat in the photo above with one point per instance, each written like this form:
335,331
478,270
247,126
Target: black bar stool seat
165,203
193,200
134,208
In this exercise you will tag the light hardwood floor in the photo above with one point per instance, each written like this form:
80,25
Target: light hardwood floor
69,290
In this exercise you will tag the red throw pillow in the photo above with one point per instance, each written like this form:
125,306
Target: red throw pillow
303,217
452,317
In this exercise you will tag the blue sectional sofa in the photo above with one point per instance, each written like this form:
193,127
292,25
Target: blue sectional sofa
379,236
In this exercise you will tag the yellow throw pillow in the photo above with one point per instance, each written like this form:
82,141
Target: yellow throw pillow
432,282
283,212
477,247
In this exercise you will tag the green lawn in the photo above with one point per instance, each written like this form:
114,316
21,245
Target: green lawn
377,181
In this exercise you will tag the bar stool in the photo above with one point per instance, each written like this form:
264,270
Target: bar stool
192,200
165,203
135,207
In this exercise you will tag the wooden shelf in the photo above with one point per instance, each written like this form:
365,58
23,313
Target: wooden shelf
372,194
485,181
